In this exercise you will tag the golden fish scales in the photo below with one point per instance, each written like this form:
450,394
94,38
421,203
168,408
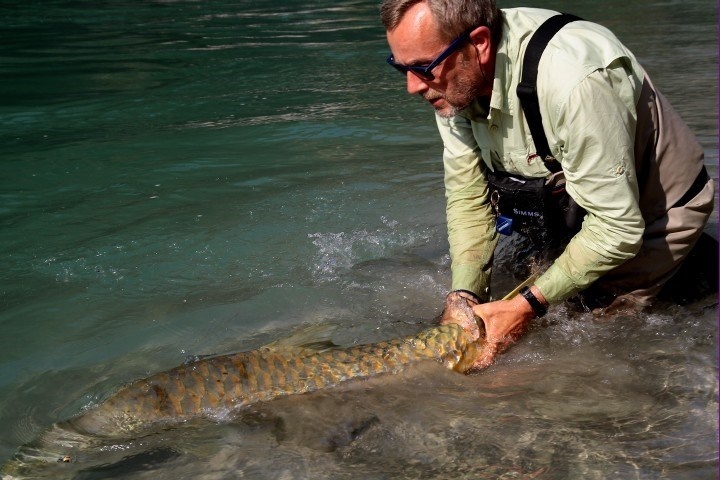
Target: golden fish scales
229,382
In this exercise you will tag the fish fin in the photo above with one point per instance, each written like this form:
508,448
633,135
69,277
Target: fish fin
308,340
319,345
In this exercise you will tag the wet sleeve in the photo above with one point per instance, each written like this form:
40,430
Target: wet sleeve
597,123
470,221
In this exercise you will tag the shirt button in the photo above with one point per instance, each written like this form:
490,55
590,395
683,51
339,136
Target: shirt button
619,170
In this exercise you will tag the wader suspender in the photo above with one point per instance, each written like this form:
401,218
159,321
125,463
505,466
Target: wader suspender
527,205
527,88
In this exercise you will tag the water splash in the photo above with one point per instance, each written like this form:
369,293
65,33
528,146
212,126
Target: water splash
338,252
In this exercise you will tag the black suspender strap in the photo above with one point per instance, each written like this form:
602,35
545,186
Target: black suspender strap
527,88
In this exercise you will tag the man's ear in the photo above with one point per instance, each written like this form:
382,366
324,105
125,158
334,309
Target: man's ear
481,38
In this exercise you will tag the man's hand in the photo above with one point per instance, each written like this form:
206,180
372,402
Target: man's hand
459,309
505,322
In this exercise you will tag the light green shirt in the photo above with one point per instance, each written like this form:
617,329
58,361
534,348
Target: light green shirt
588,85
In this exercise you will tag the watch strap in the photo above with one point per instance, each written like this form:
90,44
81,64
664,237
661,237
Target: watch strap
537,307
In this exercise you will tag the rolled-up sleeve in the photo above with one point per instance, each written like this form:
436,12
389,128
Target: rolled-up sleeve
470,221
597,122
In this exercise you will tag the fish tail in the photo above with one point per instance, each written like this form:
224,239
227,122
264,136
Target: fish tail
46,456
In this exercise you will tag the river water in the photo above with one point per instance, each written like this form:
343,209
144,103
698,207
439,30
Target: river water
186,177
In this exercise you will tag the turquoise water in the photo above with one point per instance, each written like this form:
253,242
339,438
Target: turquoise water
185,177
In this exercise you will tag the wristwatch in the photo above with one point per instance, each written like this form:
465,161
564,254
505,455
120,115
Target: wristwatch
537,307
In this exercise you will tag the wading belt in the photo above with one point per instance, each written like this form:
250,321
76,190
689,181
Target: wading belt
527,88
694,189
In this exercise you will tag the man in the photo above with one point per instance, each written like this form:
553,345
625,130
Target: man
628,159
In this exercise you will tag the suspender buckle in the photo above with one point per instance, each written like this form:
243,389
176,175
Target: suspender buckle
524,89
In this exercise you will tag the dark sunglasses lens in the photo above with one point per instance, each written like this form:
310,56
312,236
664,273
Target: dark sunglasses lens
400,68
424,74
419,71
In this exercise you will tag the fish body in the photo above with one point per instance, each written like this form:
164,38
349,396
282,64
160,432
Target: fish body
229,382
221,385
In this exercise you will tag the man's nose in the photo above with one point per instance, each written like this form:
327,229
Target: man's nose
415,84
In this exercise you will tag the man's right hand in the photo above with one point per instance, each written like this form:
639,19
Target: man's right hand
505,322
459,309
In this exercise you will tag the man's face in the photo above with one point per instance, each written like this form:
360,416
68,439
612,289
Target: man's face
458,79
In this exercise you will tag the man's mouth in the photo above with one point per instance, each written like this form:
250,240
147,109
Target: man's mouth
434,99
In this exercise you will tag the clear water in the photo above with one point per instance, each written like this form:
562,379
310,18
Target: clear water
185,177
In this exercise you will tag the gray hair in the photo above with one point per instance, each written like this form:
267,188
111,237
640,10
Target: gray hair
454,17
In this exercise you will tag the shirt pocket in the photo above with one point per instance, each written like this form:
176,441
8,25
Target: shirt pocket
525,164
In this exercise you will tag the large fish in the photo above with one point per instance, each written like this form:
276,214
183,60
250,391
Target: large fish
227,383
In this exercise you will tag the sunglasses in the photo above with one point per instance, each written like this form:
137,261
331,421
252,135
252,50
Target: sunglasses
425,71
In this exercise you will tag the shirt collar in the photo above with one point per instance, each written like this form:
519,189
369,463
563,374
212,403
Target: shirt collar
499,99
504,56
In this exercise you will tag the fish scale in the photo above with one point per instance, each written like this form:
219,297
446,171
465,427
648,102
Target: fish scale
221,385
225,383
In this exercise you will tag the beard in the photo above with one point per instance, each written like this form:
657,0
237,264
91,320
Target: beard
444,109
465,89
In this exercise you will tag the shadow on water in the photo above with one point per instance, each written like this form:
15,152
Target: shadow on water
130,465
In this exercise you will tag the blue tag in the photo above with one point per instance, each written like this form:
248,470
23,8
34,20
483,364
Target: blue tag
503,225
